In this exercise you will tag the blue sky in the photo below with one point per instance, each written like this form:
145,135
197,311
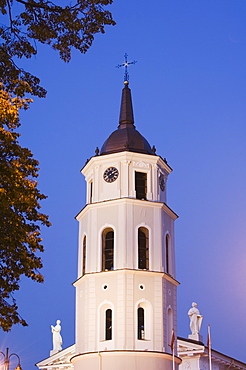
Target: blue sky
189,94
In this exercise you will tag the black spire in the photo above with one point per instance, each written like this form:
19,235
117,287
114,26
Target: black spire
126,111
126,137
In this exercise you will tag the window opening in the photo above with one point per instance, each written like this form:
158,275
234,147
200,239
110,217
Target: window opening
91,189
140,323
108,250
167,254
108,321
169,324
141,185
143,248
84,255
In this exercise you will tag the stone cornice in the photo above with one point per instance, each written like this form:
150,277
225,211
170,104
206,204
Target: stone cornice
126,156
129,271
110,202
163,355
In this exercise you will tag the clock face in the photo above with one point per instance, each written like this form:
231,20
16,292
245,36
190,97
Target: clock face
111,174
162,182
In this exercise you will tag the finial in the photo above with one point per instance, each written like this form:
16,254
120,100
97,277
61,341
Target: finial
126,64
97,150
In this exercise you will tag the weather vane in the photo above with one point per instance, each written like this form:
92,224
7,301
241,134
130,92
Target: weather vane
126,64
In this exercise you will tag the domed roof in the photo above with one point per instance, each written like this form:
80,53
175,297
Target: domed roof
126,137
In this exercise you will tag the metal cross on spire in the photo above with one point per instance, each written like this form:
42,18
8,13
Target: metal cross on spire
126,64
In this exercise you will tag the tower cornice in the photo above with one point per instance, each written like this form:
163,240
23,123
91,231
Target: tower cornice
129,272
126,156
111,202
135,353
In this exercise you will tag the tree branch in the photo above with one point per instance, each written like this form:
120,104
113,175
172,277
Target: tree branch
10,16
43,6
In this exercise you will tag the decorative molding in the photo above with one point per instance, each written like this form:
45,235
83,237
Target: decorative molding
187,365
140,164
126,162
89,175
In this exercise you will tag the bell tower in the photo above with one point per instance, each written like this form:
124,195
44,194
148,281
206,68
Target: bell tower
126,306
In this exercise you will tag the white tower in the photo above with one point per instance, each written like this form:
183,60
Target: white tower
126,303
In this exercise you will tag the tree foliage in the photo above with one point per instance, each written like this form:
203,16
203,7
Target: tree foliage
19,211
23,24
61,27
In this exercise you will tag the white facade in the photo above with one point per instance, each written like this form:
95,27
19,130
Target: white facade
125,288
115,205
127,163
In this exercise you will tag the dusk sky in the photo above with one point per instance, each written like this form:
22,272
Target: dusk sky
189,98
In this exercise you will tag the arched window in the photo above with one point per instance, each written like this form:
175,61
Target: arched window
108,324
169,327
105,323
167,254
143,248
144,321
141,323
108,250
84,255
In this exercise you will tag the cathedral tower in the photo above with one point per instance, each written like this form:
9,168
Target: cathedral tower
126,303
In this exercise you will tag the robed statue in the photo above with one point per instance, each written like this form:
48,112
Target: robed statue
57,338
195,319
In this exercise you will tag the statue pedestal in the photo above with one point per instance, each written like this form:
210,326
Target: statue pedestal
53,352
196,337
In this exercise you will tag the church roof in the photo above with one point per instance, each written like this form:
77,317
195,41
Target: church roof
126,137
192,353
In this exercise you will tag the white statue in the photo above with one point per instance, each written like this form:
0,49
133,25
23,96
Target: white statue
57,339
195,319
